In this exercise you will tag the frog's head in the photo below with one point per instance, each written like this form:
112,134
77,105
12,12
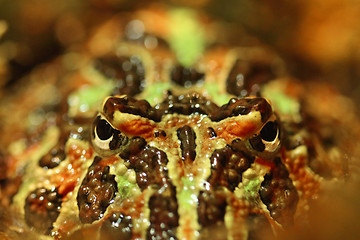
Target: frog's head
247,124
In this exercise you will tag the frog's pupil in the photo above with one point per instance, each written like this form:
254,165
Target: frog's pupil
104,130
269,131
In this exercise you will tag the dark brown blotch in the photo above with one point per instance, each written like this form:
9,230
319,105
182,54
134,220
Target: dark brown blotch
136,145
187,104
211,132
42,207
246,77
212,207
164,218
118,140
54,157
127,72
56,154
150,167
279,194
187,138
227,167
242,106
186,76
96,192
127,104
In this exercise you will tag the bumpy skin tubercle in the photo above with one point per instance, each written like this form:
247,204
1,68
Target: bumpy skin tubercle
226,147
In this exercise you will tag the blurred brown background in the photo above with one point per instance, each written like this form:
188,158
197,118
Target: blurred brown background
319,39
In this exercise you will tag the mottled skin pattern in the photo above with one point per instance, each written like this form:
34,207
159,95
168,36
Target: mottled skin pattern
165,156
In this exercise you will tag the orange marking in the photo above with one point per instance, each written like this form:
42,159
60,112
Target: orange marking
107,161
307,183
267,163
188,229
14,162
137,127
68,183
70,176
236,129
133,206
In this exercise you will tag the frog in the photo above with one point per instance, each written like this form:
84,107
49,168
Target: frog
161,132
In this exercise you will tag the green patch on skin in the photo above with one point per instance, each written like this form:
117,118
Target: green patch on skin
187,196
283,103
89,97
125,187
251,189
154,93
186,37
217,97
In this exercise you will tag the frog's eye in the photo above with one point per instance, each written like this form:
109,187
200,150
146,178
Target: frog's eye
105,138
268,140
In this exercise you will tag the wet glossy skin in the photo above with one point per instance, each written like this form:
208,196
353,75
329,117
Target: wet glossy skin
224,148
177,140
169,170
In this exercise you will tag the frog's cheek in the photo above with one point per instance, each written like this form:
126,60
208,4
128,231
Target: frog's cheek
105,139
268,142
